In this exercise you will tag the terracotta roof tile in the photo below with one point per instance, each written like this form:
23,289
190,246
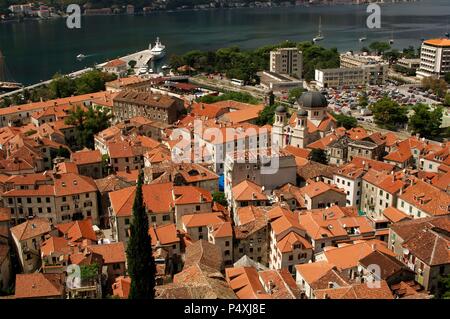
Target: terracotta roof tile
31,228
111,253
248,191
427,198
165,235
245,283
202,219
84,157
38,285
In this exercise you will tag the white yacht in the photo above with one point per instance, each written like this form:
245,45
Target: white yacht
158,51
319,36
362,39
80,56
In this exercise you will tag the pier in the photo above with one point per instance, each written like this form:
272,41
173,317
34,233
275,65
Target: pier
141,57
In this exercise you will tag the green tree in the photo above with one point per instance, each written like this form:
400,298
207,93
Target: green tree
92,81
234,96
447,100
389,114
219,197
363,101
443,288
87,124
392,56
426,122
89,271
346,121
447,77
6,101
63,152
62,86
379,47
319,156
316,57
132,64
295,93
266,116
410,53
141,264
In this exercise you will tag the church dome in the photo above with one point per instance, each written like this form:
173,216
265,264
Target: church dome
312,99
280,109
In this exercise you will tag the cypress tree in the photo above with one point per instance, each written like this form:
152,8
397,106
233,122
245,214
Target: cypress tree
141,264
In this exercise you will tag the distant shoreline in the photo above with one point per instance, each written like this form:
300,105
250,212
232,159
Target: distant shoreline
142,13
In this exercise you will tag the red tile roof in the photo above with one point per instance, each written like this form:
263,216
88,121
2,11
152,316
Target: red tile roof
31,228
317,188
245,283
248,191
349,255
165,235
38,285
394,215
157,199
427,198
78,230
202,219
112,253
391,183
86,156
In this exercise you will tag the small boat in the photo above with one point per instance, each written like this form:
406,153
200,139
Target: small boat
165,66
391,41
80,56
362,39
447,34
319,36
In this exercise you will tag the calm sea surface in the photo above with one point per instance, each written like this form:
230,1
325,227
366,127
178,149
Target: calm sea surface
35,50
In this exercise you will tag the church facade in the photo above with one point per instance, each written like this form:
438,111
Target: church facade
310,123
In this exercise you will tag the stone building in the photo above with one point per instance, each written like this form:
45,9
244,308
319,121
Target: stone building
162,108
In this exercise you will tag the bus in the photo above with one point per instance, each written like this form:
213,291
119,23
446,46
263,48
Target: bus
237,82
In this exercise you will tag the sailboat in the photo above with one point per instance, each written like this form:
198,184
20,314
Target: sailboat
319,36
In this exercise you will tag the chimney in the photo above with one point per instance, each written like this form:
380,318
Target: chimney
330,284
374,247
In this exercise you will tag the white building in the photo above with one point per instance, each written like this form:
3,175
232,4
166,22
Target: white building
371,74
349,178
434,58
